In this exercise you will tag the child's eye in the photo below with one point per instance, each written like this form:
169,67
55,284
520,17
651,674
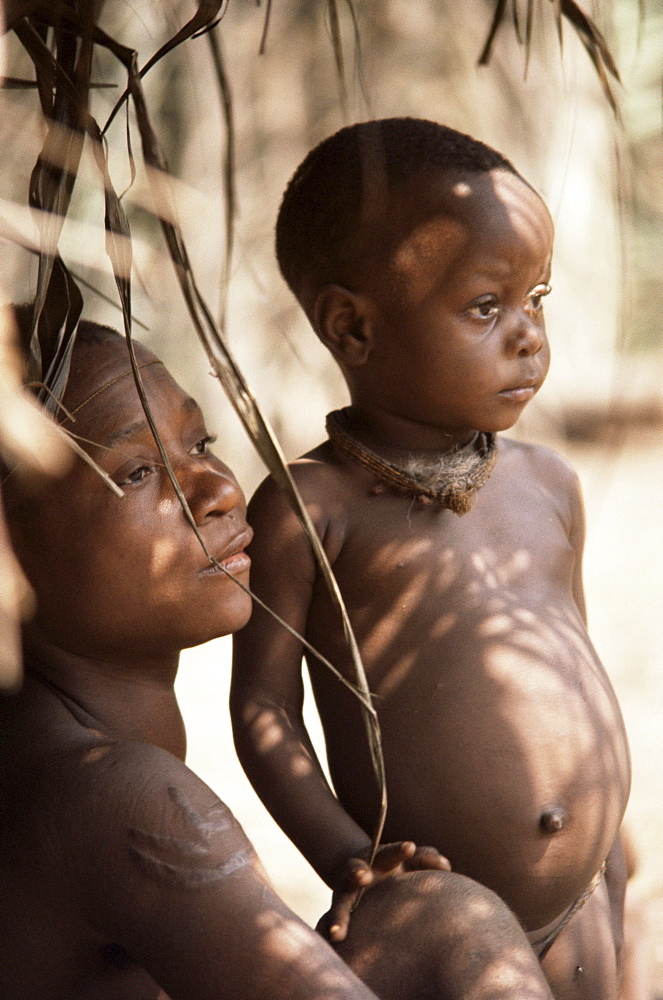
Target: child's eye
485,309
202,447
536,296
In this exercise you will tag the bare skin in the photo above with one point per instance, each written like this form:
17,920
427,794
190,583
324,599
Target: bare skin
504,744
122,875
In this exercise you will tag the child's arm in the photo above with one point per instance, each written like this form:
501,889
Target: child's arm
266,708
559,477
577,539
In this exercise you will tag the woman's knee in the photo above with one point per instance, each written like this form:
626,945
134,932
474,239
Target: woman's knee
441,934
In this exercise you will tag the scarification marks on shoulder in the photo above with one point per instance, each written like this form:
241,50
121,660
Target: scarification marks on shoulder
189,856
216,819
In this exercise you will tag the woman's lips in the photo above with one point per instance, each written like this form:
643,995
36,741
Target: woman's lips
233,559
237,563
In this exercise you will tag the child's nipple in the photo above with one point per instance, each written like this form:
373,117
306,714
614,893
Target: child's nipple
553,820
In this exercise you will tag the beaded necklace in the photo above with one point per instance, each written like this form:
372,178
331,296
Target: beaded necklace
451,480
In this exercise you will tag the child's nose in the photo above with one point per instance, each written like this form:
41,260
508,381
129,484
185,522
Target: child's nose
528,336
211,490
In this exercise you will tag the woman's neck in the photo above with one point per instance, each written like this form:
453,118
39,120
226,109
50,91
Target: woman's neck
129,698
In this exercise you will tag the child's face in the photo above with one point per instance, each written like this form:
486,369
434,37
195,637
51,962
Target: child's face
128,576
458,333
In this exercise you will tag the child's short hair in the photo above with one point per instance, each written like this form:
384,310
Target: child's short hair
323,205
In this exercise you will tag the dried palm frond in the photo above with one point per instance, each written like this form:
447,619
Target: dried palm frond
335,29
584,26
62,81
228,162
265,29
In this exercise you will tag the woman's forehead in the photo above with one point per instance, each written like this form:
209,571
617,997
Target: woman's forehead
102,396
93,365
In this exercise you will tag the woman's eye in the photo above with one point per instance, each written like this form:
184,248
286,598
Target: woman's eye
536,296
202,447
136,475
484,310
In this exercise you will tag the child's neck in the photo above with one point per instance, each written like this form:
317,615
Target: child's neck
391,434
131,699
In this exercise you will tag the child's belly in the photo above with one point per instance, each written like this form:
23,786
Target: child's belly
504,747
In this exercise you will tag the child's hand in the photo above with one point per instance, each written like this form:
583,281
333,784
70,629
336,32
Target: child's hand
357,875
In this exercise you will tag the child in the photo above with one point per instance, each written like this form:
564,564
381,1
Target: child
119,868
422,260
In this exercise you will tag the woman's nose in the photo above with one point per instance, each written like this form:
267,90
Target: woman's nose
210,489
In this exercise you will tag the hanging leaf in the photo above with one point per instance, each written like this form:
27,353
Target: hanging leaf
500,8
586,29
337,45
263,39
237,390
529,26
206,14
51,186
557,9
15,83
596,46
515,17
228,163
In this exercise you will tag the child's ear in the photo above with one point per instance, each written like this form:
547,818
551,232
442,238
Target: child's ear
340,319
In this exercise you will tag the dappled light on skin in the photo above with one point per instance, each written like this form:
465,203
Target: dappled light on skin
382,637
462,189
421,248
285,936
495,625
450,911
96,754
443,625
397,674
493,662
302,767
285,940
163,555
406,558
496,572
269,730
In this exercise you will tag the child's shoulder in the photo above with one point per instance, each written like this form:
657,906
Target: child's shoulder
328,492
315,473
539,461
323,484
543,469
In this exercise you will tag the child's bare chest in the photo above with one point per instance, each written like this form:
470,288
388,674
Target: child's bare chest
492,700
401,560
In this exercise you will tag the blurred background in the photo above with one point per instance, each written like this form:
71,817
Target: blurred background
602,405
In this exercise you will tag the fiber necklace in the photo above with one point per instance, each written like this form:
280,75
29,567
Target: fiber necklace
452,479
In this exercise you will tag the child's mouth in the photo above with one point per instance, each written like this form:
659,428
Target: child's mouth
521,394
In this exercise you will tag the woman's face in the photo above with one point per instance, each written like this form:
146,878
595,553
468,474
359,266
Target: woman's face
127,576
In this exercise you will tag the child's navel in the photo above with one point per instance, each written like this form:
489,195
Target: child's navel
553,820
